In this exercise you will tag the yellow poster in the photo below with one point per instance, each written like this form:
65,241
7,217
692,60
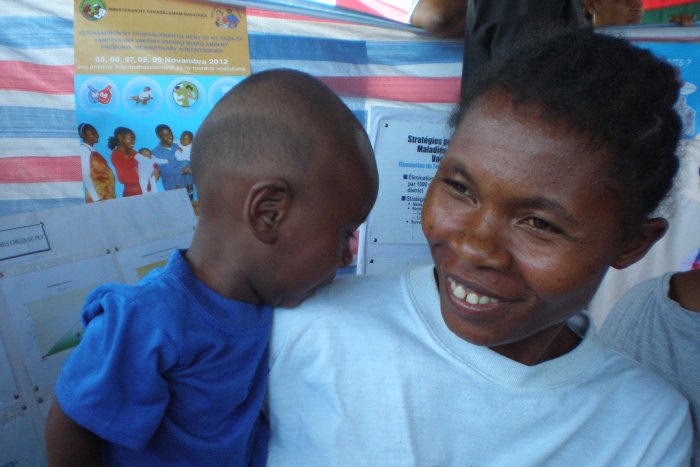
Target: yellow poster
146,75
160,37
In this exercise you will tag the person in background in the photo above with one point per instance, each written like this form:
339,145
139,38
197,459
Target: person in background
657,323
98,178
172,371
122,146
562,151
173,172
604,13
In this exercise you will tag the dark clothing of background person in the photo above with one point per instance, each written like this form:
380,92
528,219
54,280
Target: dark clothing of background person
492,25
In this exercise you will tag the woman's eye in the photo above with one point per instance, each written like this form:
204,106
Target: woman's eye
541,224
458,187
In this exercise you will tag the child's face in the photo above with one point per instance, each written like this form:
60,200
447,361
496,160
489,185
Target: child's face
145,152
317,238
185,140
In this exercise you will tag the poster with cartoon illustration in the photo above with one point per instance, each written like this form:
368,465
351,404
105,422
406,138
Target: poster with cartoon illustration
146,75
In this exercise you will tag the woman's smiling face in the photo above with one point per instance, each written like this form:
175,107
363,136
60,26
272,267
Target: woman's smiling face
522,227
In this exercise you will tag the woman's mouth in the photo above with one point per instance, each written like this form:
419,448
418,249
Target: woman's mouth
470,296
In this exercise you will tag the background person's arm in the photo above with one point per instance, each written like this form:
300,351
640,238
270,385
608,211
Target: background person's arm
441,18
685,289
69,444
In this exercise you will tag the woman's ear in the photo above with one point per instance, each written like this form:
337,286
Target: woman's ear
266,207
637,246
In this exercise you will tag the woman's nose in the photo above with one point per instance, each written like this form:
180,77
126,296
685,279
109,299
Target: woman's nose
346,256
482,242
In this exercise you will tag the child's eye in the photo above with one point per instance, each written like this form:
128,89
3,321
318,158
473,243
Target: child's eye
541,224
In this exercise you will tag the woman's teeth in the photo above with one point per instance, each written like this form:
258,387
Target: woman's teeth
470,297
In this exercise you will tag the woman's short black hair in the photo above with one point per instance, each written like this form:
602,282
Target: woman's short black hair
620,96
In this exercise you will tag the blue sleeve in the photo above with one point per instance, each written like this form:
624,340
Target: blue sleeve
113,384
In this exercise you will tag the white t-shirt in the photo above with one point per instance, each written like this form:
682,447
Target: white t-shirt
366,373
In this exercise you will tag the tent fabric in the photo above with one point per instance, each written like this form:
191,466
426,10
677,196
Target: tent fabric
652,4
39,144
659,11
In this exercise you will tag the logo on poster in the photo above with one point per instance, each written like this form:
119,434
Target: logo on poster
226,17
93,10
185,94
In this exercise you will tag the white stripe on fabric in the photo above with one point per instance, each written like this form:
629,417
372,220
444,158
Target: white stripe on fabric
52,190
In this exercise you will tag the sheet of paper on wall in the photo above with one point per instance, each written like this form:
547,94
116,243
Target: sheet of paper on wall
71,251
408,145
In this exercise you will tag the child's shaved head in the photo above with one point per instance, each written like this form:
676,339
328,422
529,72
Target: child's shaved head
279,122
285,174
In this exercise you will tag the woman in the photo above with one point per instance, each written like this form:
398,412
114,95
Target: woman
97,176
561,153
123,159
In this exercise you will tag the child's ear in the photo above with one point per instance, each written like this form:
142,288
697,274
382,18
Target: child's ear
636,247
266,207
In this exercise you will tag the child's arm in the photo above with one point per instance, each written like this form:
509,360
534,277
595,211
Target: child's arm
69,444
158,160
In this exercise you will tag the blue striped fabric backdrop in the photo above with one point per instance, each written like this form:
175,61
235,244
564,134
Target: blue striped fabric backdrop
39,146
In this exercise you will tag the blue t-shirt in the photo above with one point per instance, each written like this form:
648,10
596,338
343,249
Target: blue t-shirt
171,173
170,373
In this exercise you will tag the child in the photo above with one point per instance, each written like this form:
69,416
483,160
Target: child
183,154
173,371
658,324
147,169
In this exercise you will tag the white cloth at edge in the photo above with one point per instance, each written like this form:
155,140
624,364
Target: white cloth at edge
366,373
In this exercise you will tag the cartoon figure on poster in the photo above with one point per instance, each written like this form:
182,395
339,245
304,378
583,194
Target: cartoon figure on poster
93,10
185,94
143,98
229,20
